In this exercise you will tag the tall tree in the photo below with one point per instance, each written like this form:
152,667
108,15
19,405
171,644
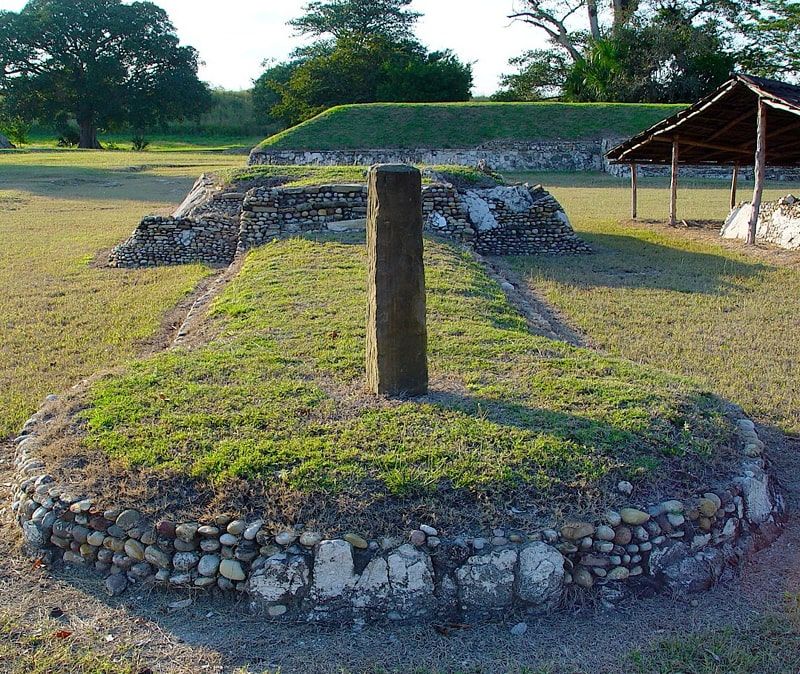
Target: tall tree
365,52
104,62
773,34
358,20
628,50
376,71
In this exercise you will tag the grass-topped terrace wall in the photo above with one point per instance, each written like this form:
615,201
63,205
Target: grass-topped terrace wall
464,125
506,136
253,462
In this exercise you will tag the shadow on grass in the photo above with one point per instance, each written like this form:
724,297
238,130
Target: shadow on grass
623,261
125,183
597,437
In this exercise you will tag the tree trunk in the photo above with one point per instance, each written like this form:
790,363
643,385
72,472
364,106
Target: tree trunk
88,137
594,22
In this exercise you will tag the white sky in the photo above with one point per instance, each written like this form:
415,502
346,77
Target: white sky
234,37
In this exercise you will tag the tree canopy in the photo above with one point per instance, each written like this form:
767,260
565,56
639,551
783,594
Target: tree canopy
773,39
660,51
358,21
365,52
101,62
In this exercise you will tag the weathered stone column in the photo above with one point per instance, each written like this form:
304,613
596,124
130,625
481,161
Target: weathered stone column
397,337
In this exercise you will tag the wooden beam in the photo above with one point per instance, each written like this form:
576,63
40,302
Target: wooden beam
730,125
761,161
673,185
734,185
791,147
709,146
634,191
783,129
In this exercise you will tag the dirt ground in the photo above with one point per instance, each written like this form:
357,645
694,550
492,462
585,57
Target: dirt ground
214,636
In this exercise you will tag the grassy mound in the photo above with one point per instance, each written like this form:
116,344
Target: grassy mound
275,398
462,125
302,176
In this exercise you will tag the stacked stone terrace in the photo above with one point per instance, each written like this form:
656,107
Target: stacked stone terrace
213,224
270,212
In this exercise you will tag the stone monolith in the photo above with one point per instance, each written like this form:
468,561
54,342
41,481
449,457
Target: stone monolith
397,362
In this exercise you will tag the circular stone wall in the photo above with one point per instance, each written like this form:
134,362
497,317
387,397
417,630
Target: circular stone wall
679,546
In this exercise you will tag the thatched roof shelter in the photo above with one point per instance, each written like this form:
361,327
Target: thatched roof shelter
748,121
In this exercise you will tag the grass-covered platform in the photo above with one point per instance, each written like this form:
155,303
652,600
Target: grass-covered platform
303,176
463,125
270,416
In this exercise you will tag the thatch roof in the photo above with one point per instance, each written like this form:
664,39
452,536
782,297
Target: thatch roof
721,128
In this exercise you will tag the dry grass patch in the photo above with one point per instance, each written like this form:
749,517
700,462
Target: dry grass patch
680,300
61,317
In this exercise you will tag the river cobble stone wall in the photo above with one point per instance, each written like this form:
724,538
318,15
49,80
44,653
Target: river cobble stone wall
168,240
552,156
270,212
678,546
519,220
570,156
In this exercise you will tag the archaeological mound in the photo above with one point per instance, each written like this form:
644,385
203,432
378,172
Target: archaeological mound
499,468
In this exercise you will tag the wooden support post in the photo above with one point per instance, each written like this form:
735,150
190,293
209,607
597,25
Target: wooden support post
734,185
397,362
634,191
760,169
673,185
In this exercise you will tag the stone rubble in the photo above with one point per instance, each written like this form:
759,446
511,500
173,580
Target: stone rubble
778,222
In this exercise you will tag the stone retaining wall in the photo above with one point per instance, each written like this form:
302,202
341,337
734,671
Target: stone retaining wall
157,240
520,220
778,222
677,546
511,156
551,156
780,174
270,212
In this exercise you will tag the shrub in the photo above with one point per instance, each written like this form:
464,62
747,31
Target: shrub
139,143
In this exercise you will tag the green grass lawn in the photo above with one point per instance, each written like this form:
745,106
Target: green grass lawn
460,125
687,306
770,645
61,318
276,396
650,295
49,649
326,175
40,139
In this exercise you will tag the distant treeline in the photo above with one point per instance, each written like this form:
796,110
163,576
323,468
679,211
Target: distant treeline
231,115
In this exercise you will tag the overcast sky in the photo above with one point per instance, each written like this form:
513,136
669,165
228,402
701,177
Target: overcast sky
234,37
